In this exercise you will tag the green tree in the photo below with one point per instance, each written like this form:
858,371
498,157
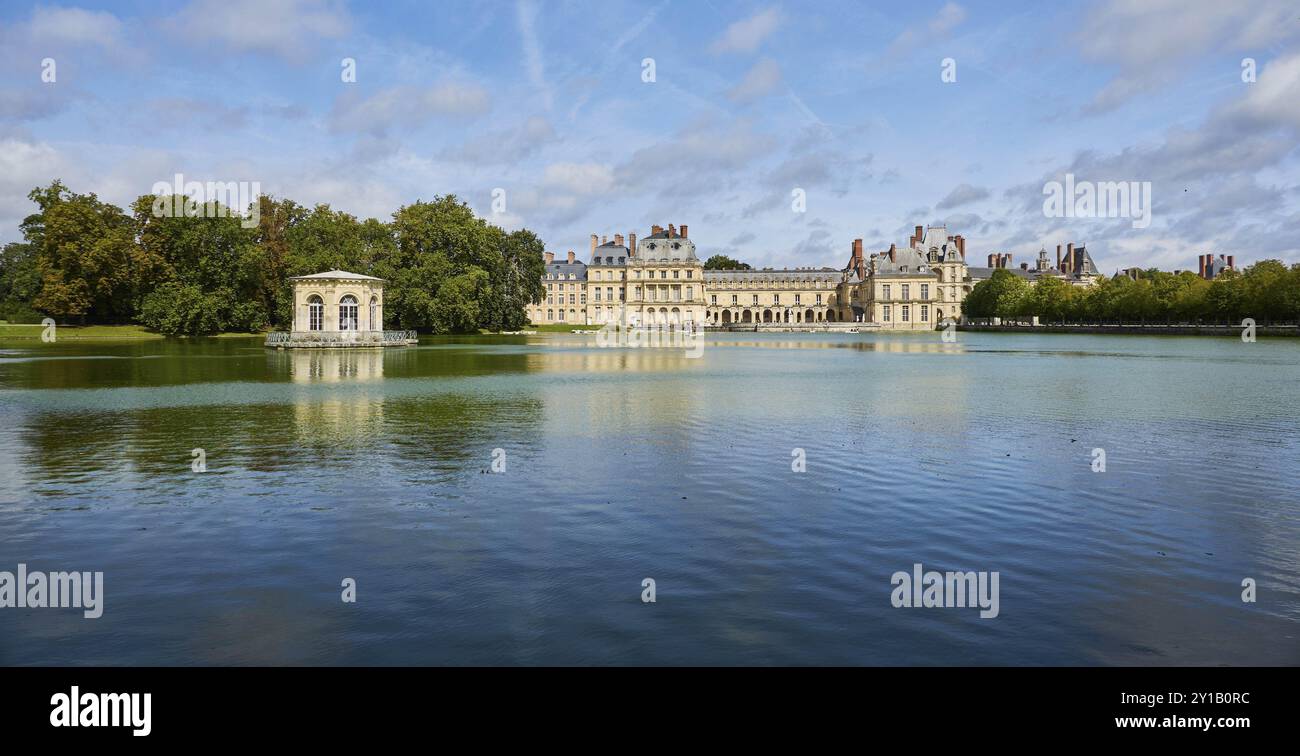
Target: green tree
998,296
722,262
89,264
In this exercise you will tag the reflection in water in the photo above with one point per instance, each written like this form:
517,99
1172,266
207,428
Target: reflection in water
623,463
333,365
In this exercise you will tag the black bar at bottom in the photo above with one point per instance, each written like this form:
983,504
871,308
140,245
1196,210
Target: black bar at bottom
209,706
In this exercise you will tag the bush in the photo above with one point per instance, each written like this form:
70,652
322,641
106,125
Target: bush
182,310
19,312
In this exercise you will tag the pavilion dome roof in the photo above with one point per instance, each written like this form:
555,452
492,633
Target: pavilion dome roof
337,275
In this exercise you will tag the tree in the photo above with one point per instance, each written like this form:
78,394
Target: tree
998,296
89,264
20,283
722,262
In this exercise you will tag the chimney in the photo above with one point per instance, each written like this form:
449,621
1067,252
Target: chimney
991,264
892,251
570,257
1024,266
857,250
1058,257
618,239
961,245
1200,262
920,234
683,230
1231,264
1069,258
631,244
550,257
656,230
672,230
593,245
1007,262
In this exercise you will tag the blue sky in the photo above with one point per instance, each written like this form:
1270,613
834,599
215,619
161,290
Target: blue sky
750,101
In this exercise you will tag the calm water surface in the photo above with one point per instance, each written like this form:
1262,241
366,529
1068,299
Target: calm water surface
625,464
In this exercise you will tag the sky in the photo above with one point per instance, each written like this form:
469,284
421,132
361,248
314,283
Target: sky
778,132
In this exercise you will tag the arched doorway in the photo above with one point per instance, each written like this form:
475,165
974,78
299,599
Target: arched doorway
348,313
808,316
747,317
767,316
315,313
726,317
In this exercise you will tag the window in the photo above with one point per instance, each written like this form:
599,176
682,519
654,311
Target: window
905,313
583,298
690,274
884,292
755,300
713,299
796,299
776,299
550,315
733,299
571,299
315,313
375,325
561,314
925,313
664,273
348,313
819,299
690,293
597,293
677,274
886,313
925,292
906,292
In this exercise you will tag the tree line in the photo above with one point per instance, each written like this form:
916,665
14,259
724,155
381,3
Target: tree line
1268,292
202,272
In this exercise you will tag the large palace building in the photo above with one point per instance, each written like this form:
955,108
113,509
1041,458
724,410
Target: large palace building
659,280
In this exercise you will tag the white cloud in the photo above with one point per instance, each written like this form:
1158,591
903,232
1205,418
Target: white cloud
1150,42
939,26
526,13
745,36
289,29
75,25
761,80
579,178
962,195
407,106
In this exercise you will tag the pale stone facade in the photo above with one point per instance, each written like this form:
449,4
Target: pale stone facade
786,296
338,302
660,280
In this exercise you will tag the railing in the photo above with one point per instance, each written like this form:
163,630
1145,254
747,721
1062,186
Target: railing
339,338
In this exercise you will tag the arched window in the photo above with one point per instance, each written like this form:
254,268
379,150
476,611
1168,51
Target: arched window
348,313
375,325
315,313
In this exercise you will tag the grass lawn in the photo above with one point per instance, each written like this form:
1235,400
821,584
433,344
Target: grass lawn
32,332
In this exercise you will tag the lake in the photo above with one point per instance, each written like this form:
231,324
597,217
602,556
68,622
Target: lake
501,499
